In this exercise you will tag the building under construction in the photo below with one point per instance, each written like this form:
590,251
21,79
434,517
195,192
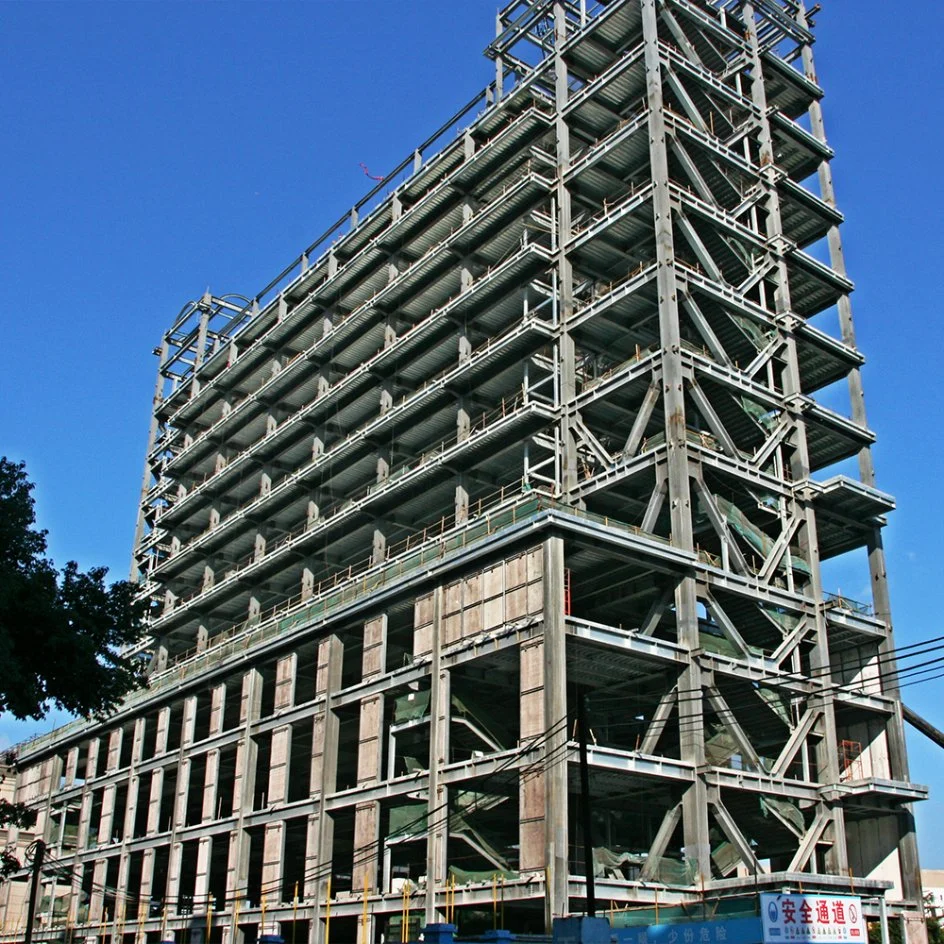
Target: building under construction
533,428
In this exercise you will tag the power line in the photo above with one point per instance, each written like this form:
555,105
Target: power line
556,757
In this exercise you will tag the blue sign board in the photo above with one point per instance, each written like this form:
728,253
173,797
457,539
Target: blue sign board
813,919
731,931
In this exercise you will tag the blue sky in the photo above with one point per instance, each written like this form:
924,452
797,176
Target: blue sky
151,150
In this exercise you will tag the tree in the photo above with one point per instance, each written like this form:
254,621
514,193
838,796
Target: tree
12,814
61,632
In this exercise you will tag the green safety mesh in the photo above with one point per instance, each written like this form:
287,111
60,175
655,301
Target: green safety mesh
720,747
764,499
467,710
765,418
787,622
472,876
468,801
725,857
742,525
715,642
407,821
675,872
415,705
414,924
728,907
777,703
696,436
460,827
60,904
757,335
800,564
759,540
787,810
609,861
427,554
411,706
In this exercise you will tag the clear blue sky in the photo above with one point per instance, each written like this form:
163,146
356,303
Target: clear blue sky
150,150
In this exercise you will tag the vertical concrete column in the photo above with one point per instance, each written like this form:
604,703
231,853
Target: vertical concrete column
114,750
217,707
266,480
379,547
163,726
105,822
123,911
463,419
184,763
188,721
531,792
91,764
75,896
161,652
85,838
72,763
555,714
7,921
237,866
465,345
462,498
324,374
96,899
137,745
127,826
210,789
277,791
131,808
272,854
154,801
375,647
147,887
173,875
183,791
47,787
369,753
201,887
437,816
308,577
387,396
319,852
254,610
286,670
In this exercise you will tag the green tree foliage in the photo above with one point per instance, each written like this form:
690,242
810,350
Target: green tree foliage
60,633
12,814
935,931
60,630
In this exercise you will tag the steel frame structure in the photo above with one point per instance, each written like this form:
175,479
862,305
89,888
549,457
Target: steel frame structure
535,420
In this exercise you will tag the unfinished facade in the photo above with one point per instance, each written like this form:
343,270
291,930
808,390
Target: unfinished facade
536,421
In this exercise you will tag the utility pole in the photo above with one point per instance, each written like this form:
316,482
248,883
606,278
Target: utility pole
39,853
584,805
